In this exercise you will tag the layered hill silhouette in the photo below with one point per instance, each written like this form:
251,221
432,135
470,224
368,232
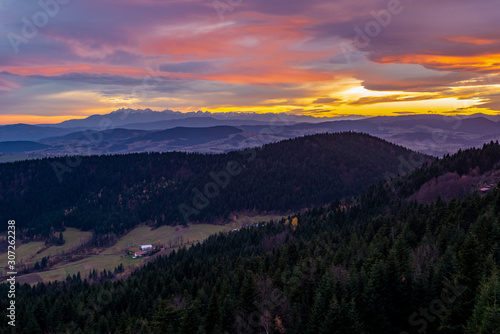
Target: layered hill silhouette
7,147
117,192
431,134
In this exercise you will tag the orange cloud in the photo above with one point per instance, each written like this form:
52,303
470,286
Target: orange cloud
472,40
479,63
366,100
263,53
33,119
60,70
266,53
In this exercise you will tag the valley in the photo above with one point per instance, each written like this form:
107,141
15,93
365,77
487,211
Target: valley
78,245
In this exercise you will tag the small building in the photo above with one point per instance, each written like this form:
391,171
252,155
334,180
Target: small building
139,254
146,247
485,190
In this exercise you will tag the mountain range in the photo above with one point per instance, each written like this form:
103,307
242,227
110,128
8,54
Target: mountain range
126,131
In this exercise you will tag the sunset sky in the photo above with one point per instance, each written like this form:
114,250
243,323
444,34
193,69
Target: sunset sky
71,59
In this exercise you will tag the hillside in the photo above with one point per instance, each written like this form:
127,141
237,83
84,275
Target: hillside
374,265
26,132
7,147
435,135
204,132
454,176
108,135
115,193
214,139
192,122
183,136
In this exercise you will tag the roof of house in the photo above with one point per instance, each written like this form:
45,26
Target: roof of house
140,253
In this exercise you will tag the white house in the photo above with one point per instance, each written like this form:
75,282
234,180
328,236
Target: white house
139,254
146,247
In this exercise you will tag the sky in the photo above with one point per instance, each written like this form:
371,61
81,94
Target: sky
62,59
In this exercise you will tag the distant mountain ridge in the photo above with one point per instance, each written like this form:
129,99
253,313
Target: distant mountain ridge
7,147
122,117
191,136
209,139
16,132
432,134
191,122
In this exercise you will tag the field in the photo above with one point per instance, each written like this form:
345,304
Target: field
73,237
143,235
28,252
23,252
98,262
112,257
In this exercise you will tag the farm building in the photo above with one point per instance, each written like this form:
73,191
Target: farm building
146,247
139,253
485,190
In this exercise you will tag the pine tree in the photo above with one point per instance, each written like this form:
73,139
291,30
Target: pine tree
32,327
248,293
486,315
212,315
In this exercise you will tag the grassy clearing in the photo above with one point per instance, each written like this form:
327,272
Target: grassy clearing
253,219
143,235
97,262
73,238
23,252
112,257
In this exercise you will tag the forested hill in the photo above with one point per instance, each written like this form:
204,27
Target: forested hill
346,268
453,176
114,193
456,176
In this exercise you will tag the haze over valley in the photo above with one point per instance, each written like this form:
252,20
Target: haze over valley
126,131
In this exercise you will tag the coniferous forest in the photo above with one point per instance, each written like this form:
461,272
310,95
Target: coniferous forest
114,193
377,262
